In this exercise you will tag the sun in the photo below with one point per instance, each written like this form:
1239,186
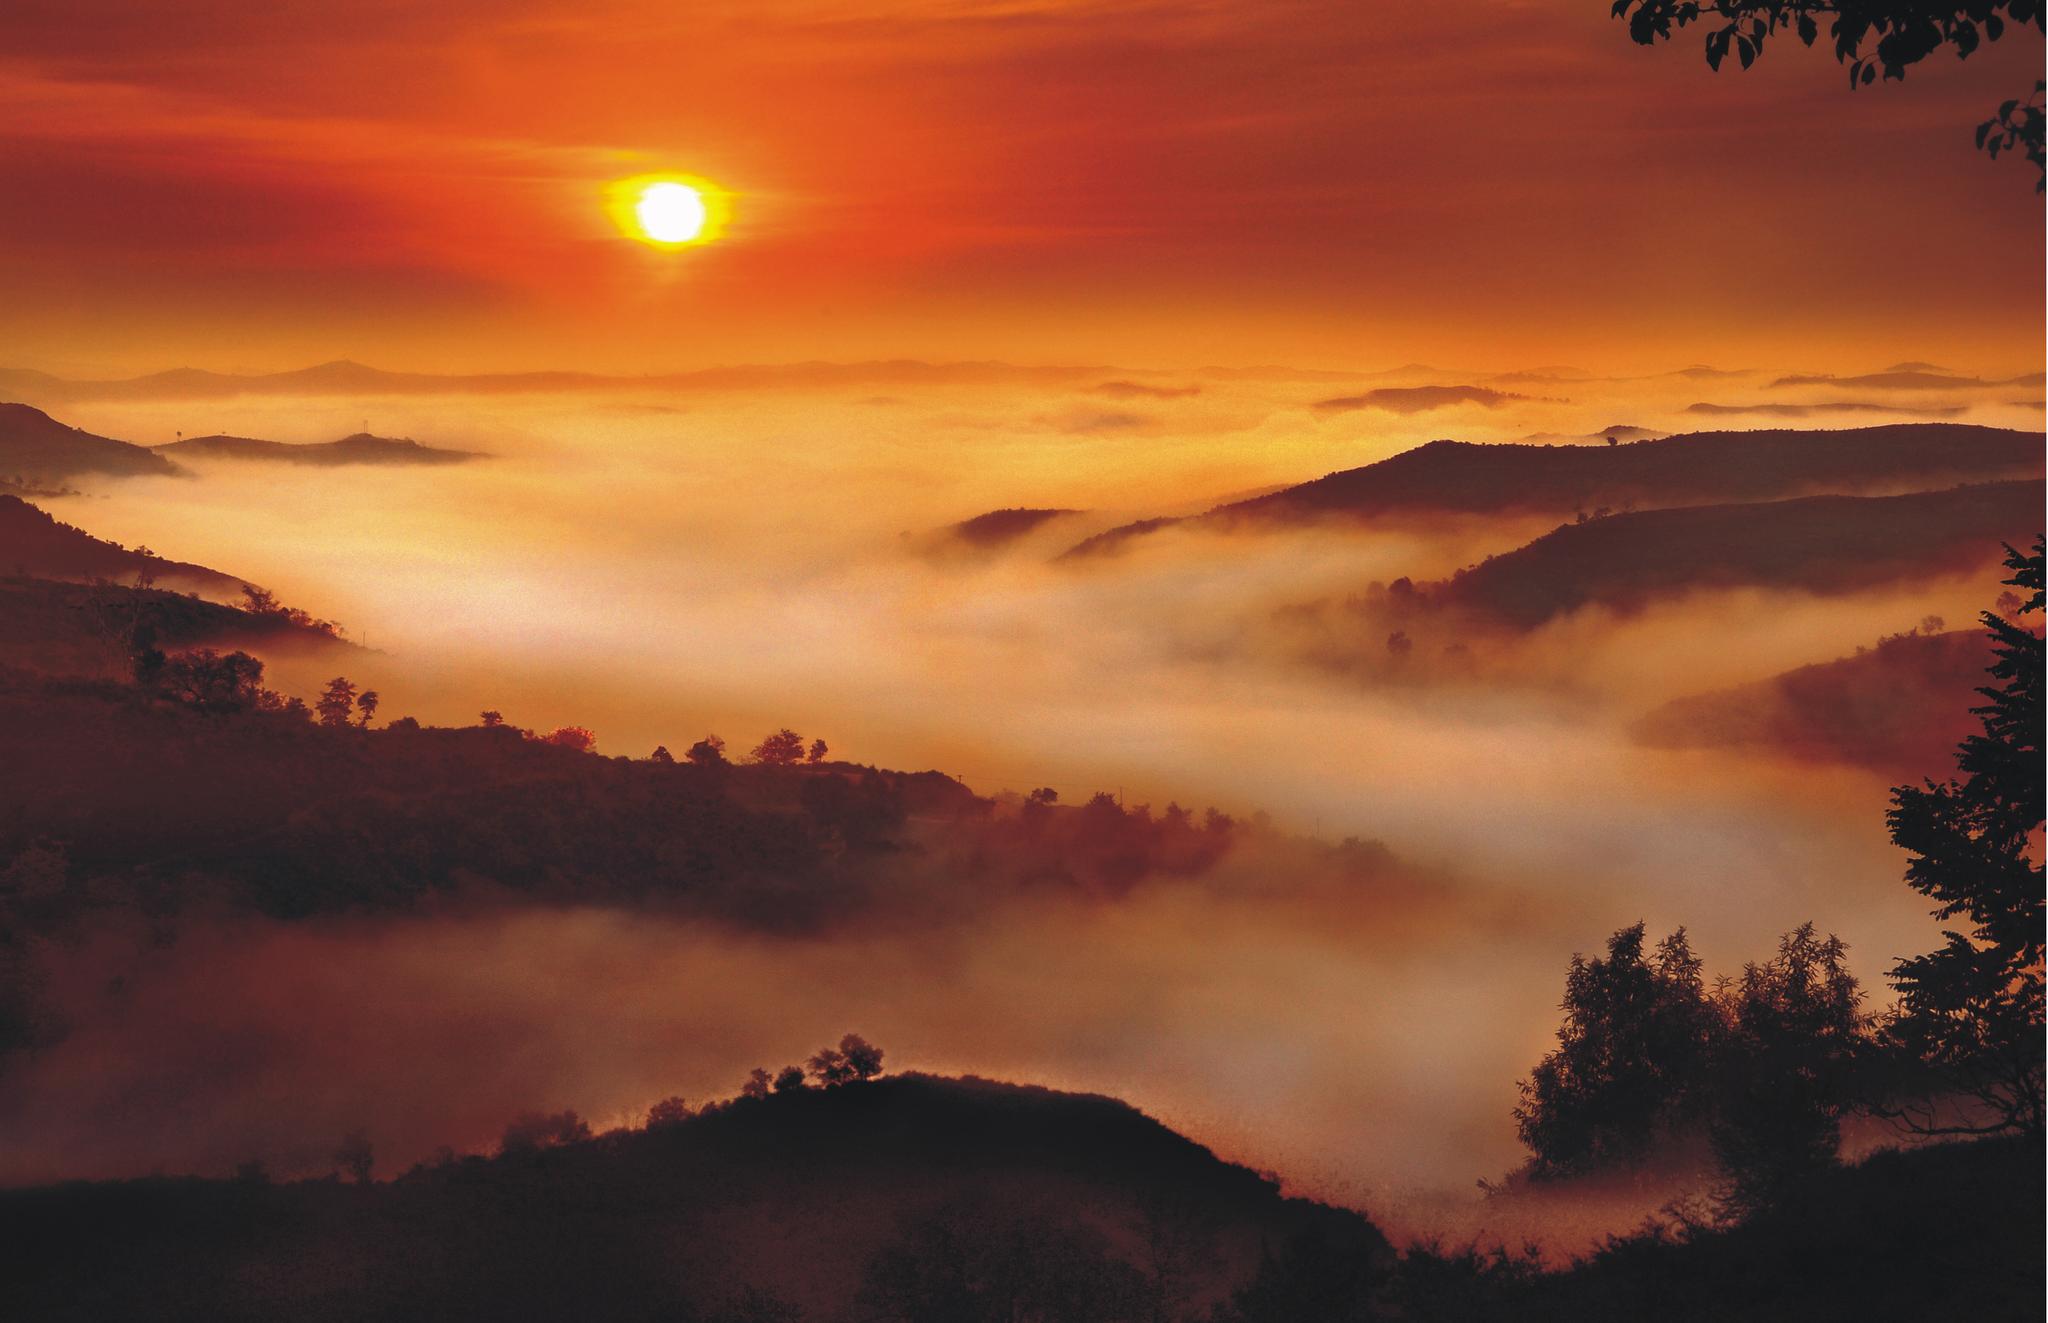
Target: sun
667,211
670,212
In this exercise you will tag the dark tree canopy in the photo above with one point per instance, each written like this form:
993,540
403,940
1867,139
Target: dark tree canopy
1650,1059
1972,1010
1637,1032
1795,1033
1871,37
784,748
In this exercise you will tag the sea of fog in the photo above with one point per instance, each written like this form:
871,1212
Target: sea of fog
660,566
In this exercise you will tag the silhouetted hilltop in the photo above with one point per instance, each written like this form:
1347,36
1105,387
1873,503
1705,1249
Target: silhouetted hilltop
999,528
864,1200
359,448
1699,468
71,629
1900,707
164,802
36,448
1625,432
34,543
937,1200
1822,544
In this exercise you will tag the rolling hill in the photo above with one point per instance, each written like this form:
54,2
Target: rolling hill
1819,544
36,545
36,448
921,1199
814,1197
359,448
997,528
1899,707
1698,468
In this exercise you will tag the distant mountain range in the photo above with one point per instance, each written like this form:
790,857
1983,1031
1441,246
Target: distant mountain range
36,451
1697,468
1913,376
359,448
343,377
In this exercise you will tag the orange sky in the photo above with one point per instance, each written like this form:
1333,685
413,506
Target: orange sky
260,184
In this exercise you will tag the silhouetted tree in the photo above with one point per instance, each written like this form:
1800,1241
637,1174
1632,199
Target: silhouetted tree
1870,36
212,682
532,1131
1971,1011
818,751
789,1079
669,1111
782,749
1788,1070
354,1157
571,737
863,1058
757,1085
491,717
337,703
662,756
1633,1051
366,706
707,752
854,1059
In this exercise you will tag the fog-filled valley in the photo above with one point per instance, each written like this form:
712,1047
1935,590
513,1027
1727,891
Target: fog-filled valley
1428,809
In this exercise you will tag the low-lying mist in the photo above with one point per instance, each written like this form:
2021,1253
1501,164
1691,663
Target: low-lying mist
660,568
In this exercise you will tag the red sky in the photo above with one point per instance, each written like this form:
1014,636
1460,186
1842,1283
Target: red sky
265,183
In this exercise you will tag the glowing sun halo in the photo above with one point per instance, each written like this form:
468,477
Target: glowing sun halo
669,212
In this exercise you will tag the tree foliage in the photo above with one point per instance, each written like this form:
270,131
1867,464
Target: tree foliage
578,738
208,681
355,1158
1649,1057
1794,1038
784,748
1972,1009
337,703
1870,37
534,1131
669,1111
1637,1034
854,1059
